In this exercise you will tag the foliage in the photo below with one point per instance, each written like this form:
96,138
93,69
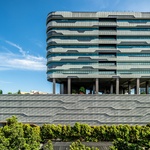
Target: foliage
4,142
84,132
51,131
16,136
82,89
121,144
9,92
139,140
13,131
19,92
79,146
48,145
32,136
1,92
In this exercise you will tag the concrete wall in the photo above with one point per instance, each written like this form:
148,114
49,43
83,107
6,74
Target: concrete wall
68,109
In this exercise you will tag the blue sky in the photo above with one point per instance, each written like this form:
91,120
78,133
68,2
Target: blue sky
23,36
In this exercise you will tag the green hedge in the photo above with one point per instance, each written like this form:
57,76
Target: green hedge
84,132
23,136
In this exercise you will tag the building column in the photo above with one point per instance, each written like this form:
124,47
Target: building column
61,88
54,86
137,85
97,85
111,88
147,87
69,85
117,85
129,87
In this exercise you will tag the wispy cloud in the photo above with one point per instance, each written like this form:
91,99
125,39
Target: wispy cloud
22,60
17,46
5,82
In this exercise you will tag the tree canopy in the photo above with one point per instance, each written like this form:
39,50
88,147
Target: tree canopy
1,92
17,136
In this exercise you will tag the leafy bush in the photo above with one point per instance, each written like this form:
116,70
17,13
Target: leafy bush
79,146
84,132
48,145
15,135
121,144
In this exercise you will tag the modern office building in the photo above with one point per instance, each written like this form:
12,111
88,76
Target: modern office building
107,52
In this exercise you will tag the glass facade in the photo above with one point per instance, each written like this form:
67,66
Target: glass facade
112,44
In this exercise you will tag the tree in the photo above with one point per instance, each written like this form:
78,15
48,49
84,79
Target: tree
1,92
32,136
9,92
19,136
19,92
48,145
14,132
4,142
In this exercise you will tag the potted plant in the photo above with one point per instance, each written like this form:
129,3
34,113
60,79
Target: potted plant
82,90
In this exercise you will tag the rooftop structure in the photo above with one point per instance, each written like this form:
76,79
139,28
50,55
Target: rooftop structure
34,92
107,52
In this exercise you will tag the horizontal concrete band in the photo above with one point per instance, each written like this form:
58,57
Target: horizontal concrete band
69,109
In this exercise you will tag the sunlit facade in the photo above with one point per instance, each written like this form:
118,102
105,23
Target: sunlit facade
106,52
